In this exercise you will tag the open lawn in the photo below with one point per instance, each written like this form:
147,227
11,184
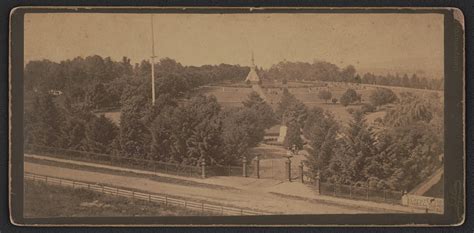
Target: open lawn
229,96
43,200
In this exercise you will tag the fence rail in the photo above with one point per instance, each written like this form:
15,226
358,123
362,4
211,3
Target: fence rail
161,199
361,193
119,161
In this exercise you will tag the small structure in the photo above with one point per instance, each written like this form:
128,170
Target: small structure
252,76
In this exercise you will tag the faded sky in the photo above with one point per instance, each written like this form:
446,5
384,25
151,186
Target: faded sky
368,41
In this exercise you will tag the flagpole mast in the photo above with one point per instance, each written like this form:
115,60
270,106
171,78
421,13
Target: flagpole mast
152,63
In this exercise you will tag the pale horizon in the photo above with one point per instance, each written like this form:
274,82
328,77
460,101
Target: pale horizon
403,43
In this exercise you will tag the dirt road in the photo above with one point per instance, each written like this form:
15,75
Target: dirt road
245,198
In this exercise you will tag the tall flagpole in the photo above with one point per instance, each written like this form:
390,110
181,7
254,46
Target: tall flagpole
152,63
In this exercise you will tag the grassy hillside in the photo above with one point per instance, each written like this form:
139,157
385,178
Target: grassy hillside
42,200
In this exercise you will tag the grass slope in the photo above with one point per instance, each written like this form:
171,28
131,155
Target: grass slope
43,200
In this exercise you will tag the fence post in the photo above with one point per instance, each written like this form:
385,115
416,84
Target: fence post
318,183
367,191
244,166
203,168
202,208
257,167
166,200
288,169
149,197
350,191
271,167
222,210
301,172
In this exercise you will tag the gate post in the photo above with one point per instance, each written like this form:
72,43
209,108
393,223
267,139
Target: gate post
257,166
301,172
244,166
317,183
203,168
288,169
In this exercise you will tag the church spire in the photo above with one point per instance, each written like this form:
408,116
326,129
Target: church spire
253,61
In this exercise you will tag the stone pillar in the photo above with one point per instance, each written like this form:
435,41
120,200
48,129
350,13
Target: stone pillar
257,166
317,184
302,172
288,169
203,168
244,167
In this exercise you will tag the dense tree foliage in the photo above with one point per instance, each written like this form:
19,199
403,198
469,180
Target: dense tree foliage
398,157
325,71
290,110
349,97
99,82
184,129
293,137
325,95
267,117
43,121
321,129
100,133
381,96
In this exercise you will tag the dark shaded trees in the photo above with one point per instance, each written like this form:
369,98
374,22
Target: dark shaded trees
325,95
266,116
349,97
43,121
100,133
321,130
382,96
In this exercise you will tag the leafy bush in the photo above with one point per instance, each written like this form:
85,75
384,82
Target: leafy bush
382,96
325,95
349,97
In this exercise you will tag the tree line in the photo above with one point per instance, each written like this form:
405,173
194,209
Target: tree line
95,82
325,71
403,152
172,130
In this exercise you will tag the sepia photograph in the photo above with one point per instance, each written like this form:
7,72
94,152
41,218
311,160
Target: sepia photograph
155,114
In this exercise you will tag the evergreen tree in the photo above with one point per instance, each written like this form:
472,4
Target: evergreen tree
43,122
267,117
293,137
100,134
325,95
349,97
321,129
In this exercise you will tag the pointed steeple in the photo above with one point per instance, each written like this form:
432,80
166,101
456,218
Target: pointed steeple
253,61
253,76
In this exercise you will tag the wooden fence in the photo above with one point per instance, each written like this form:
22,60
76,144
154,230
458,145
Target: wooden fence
161,199
361,193
119,161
